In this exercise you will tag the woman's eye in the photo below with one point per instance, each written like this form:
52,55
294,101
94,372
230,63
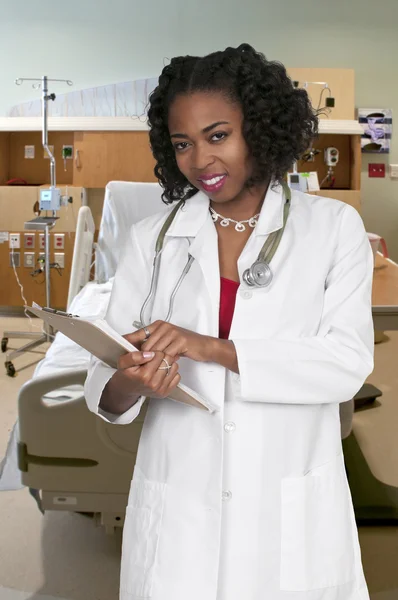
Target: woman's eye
181,146
217,137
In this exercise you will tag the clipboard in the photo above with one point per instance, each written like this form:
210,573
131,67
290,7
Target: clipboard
101,340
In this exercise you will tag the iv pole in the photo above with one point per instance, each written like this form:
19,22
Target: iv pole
40,223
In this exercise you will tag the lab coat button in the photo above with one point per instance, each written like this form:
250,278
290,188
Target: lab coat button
229,427
226,495
246,294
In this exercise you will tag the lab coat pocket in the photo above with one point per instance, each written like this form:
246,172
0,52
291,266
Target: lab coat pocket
317,544
141,537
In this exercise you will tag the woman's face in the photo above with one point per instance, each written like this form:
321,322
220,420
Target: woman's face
206,132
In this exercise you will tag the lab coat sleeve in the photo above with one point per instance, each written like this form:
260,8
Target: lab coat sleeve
128,293
333,365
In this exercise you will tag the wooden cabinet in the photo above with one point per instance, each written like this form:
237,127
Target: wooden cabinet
35,171
98,157
101,157
347,172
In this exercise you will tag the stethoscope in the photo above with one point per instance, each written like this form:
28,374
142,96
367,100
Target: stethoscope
259,275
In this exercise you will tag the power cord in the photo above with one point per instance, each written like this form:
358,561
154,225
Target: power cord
21,290
41,268
330,178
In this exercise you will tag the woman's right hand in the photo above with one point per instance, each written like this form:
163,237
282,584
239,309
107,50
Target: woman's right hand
139,375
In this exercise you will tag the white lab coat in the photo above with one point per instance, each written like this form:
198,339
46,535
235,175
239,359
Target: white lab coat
251,502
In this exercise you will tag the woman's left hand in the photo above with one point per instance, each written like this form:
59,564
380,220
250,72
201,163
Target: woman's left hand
174,341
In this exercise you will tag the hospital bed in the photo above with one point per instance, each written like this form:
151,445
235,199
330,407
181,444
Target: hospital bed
74,460
69,458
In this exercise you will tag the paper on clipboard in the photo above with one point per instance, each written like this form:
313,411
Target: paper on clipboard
101,340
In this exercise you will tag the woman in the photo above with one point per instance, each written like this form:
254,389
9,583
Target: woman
250,502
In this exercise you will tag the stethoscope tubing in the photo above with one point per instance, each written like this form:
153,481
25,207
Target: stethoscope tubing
265,256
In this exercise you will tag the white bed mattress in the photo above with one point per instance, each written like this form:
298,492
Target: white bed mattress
63,355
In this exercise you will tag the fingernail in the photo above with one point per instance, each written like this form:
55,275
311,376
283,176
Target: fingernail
148,354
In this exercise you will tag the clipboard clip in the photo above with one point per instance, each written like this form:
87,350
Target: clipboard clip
59,312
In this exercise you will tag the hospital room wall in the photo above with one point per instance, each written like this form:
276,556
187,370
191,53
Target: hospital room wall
100,42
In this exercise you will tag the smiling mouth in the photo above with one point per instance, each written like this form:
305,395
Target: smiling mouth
214,183
212,180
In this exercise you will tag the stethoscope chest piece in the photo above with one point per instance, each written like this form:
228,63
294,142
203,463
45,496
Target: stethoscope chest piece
259,274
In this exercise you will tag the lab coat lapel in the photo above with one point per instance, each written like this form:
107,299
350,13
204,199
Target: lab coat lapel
270,220
194,222
204,249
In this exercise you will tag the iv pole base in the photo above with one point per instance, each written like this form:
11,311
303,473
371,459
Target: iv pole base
37,340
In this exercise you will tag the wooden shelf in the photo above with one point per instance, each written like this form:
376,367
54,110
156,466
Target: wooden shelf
340,126
74,124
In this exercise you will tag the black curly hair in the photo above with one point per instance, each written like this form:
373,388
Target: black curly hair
279,122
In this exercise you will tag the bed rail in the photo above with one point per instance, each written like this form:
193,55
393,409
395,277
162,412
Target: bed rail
30,405
82,253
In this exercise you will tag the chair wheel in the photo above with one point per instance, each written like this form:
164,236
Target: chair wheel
10,369
4,343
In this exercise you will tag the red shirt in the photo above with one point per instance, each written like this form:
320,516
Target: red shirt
227,306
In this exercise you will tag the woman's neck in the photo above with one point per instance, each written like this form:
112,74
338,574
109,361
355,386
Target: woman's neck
247,204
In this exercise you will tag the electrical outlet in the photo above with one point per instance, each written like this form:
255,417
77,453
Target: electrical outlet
59,258
377,170
29,240
394,171
14,240
59,241
41,240
29,259
15,259
29,151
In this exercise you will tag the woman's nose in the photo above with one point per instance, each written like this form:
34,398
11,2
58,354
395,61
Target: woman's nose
201,158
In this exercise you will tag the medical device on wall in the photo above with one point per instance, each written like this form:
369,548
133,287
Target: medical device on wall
331,156
259,275
50,201
330,101
297,181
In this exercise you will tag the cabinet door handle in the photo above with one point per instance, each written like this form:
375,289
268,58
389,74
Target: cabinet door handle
77,159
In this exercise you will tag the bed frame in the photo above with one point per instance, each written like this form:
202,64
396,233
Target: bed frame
77,461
